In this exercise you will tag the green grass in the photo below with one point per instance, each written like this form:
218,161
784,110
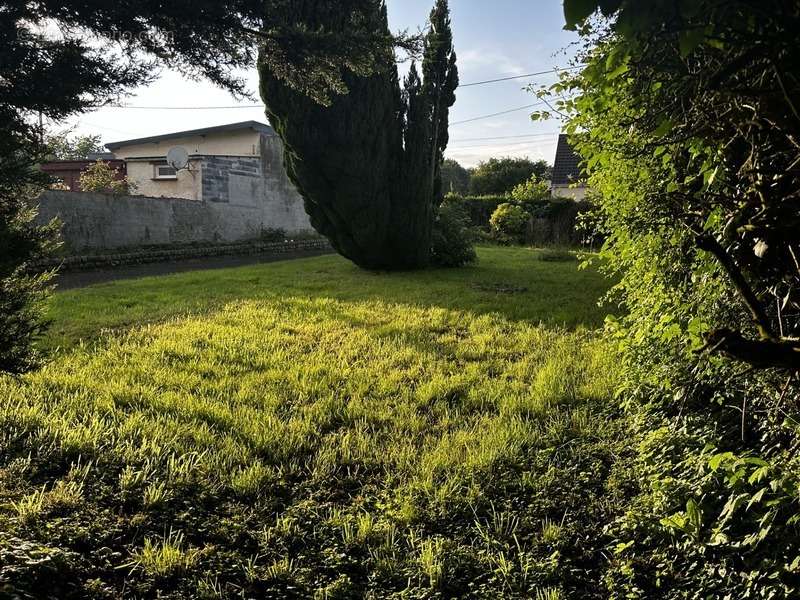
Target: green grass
555,294
309,430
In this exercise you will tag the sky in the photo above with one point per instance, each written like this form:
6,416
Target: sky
493,39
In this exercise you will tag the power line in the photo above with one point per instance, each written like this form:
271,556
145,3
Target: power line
497,114
553,70
244,106
505,137
514,146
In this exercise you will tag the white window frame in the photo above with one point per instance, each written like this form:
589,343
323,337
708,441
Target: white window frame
157,172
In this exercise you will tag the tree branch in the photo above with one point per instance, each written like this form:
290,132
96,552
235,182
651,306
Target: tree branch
710,244
760,354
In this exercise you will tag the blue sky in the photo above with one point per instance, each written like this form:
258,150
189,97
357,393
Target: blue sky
493,39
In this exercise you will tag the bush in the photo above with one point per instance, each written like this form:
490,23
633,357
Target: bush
531,193
452,242
509,223
705,252
22,242
101,177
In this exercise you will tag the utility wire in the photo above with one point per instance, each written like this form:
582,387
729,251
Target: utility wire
497,114
243,106
513,146
551,71
505,137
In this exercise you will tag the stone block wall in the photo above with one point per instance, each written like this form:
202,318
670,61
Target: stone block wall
104,221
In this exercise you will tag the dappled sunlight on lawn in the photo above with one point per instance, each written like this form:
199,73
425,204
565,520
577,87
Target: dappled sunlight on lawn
315,430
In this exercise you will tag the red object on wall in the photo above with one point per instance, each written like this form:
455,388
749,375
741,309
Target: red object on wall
69,171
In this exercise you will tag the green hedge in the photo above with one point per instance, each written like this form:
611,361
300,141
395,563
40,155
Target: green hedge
478,208
553,220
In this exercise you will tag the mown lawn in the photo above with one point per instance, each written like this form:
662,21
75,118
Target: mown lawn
307,430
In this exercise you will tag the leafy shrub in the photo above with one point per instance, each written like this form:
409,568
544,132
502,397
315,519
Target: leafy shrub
531,193
707,257
452,241
101,177
509,223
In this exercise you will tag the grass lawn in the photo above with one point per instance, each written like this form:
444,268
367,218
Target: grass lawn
309,430
510,281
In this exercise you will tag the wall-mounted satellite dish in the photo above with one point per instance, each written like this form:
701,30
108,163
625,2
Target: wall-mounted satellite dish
178,158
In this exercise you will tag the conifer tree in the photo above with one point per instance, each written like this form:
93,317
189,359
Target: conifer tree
368,163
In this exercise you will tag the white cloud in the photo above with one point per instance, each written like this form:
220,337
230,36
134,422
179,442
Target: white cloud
477,59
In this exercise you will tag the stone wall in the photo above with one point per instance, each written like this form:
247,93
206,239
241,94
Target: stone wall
100,221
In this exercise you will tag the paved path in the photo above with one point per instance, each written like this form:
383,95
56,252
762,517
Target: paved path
78,279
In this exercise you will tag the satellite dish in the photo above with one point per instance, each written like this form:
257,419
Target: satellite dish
178,158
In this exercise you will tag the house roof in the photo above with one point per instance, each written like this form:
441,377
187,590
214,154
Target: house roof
566,167
254,125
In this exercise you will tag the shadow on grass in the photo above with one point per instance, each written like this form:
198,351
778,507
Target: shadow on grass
511,282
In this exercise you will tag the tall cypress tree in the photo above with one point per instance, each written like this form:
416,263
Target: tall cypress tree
368,163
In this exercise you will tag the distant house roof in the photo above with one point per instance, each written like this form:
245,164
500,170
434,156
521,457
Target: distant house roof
254,125
566,167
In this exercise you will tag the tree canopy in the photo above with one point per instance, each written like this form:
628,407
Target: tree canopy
501,175
455,178
368,164
65,146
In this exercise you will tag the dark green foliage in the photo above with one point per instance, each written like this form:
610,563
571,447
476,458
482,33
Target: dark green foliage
686,114
20,243
555,221
478,208
502,175
455,178
452,242
368,163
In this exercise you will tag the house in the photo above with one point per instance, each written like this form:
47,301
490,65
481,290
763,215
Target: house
568,181
69,172
232,151
238,164
233,188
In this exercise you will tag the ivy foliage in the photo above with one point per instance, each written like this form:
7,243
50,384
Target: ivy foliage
686,115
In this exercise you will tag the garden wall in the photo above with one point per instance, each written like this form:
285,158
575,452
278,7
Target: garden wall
104,221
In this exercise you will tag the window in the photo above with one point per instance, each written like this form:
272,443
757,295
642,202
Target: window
164,171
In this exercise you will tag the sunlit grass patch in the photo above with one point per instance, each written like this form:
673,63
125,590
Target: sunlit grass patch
165,556
315,446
